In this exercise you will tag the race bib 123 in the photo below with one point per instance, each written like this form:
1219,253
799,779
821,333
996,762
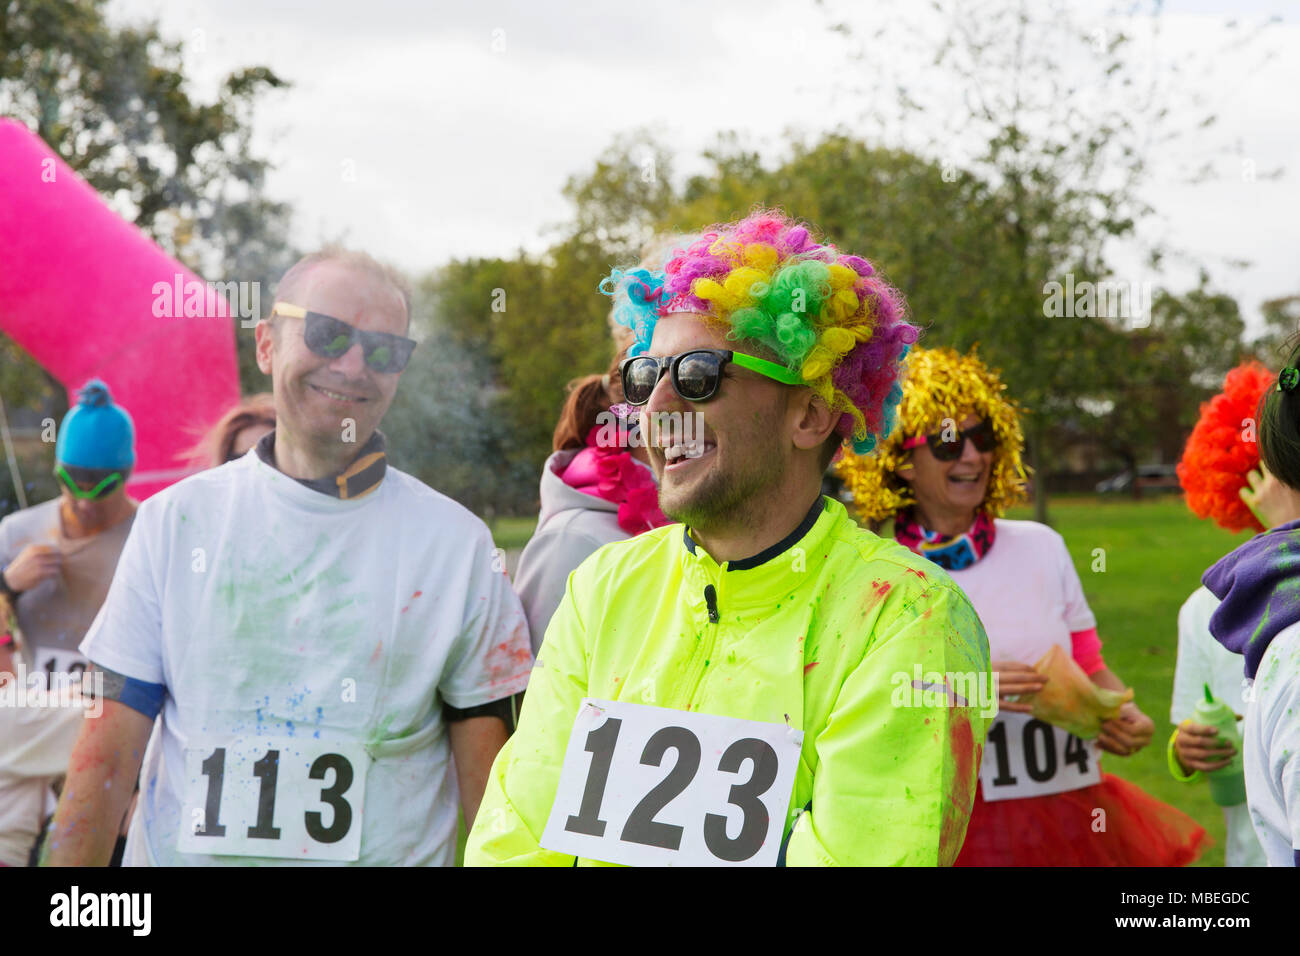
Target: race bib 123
649,786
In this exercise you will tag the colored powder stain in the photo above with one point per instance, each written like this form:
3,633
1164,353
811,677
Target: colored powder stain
808,667
706,663
405,609
926,614
965,755
416,595
379,648
927,720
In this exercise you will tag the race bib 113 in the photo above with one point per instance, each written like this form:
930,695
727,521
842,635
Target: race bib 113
649,786
274,796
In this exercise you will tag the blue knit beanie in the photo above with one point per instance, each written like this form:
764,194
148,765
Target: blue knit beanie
96,433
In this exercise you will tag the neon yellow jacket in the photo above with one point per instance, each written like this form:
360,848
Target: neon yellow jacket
829,627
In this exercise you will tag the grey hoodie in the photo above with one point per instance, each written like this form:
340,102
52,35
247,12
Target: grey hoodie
570,527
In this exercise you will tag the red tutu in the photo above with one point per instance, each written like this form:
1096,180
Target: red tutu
1065,829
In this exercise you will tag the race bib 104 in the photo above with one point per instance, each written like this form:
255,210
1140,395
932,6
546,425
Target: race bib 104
274,796
1025,757
649,786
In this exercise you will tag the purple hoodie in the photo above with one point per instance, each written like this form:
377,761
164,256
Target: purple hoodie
1258,586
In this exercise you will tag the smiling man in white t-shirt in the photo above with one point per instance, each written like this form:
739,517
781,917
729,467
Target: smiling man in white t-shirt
323,635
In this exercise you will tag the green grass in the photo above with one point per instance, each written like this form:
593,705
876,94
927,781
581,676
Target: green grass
1154,553
512,533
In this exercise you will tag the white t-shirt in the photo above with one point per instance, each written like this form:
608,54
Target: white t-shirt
269,609
1026,592
1271,751
1028,597
1203,660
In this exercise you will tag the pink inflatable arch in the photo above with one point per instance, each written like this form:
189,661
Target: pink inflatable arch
88,295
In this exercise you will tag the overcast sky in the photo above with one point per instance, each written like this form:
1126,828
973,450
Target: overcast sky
423,131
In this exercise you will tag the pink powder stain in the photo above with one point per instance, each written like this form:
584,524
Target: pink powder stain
416,595
956,812
919,574
506,659
379,649
808,667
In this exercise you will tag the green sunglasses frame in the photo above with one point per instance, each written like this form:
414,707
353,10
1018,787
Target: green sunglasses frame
370,342
668,363
101,489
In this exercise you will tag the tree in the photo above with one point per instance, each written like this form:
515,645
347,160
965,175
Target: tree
1281,329
1057,116
112,102
1155,378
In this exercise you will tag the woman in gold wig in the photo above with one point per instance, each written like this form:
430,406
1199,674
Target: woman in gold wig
939,485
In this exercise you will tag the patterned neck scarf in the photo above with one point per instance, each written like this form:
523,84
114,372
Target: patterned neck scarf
360,478
950,553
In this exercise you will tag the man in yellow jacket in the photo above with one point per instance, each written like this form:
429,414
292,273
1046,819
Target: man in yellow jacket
764,682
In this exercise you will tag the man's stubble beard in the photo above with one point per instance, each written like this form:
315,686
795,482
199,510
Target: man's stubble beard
727,499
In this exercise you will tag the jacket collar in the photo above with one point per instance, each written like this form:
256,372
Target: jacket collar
767,579
767,554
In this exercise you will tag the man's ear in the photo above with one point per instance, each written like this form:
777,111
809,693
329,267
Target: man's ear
814,420
265,345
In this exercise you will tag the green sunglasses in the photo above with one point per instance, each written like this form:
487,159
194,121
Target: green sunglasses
106,485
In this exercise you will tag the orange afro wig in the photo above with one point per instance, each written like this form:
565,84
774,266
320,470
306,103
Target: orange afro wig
1222,450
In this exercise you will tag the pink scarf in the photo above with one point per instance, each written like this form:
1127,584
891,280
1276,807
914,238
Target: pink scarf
613,475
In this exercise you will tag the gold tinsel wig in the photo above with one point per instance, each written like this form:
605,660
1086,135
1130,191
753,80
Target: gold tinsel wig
939,384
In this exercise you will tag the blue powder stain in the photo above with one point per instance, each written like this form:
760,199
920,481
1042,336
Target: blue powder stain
289,724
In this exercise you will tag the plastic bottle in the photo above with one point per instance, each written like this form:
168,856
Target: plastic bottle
1227,784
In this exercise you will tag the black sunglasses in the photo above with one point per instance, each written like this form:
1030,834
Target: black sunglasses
329,338
696,375
981,436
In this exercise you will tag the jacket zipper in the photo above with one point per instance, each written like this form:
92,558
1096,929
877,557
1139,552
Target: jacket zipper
711,601
704,652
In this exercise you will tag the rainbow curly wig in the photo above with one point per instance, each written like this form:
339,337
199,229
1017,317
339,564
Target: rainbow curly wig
1217,457
825,315
940,384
